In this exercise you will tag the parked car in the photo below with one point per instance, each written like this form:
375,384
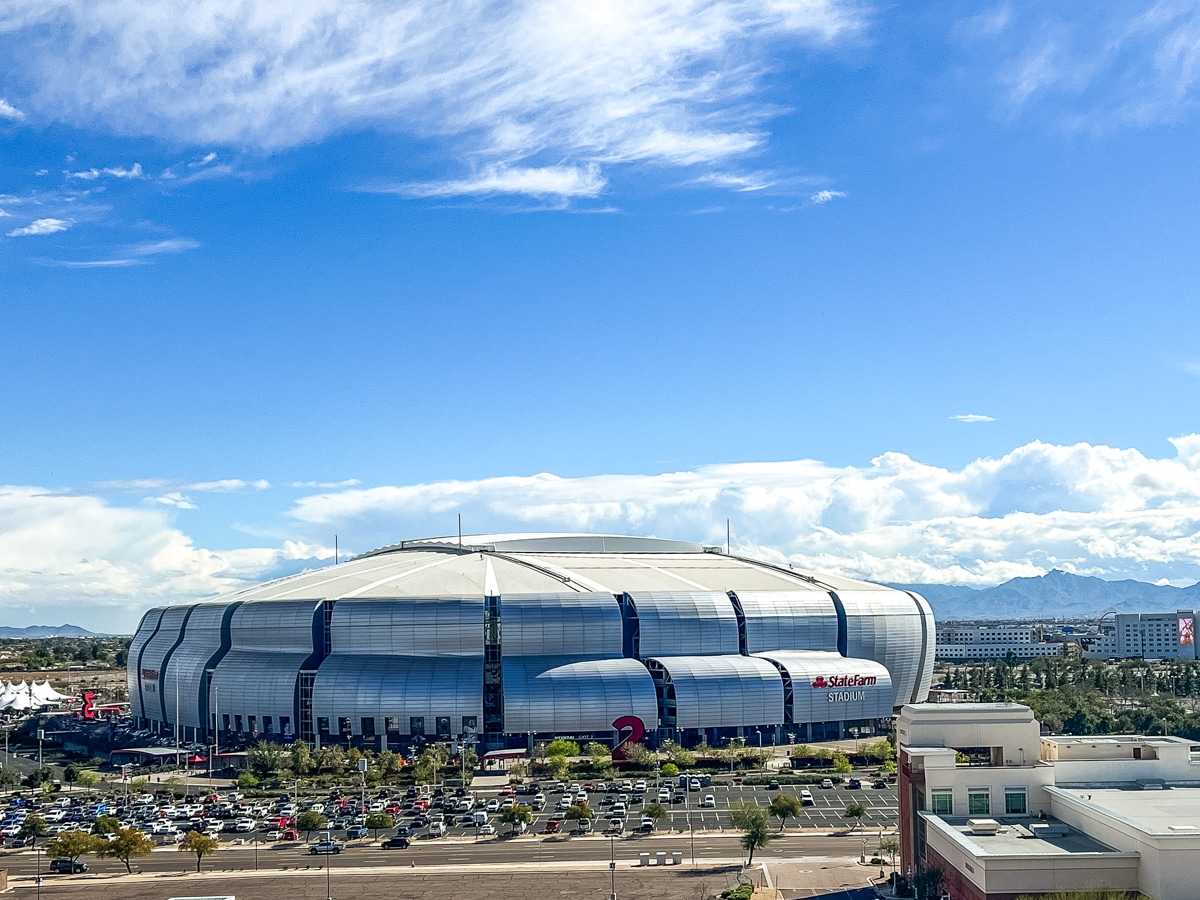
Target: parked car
356,831
553,826
880,784
853,784
806,797
66,866
773,786
709,802
827,783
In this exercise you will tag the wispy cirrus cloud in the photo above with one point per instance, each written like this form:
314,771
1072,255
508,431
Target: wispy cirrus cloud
972,418
825,196
325,485
134,255
544,181
134,171
220,486
508,85
40,227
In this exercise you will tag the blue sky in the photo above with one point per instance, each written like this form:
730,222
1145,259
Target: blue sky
273,274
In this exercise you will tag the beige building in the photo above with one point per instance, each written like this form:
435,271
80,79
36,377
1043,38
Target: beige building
1002,810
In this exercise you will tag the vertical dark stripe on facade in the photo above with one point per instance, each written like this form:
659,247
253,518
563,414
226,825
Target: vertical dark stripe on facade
743,640
141,653
212,663
162,676
493,673
629,626
924,647
843,627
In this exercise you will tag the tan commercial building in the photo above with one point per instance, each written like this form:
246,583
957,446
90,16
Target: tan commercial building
1001,810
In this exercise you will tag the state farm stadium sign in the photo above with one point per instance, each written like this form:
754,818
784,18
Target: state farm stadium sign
822,682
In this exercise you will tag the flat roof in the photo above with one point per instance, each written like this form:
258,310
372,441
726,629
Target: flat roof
1152,811
1013,839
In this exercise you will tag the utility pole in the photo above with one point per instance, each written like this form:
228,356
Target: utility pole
612,867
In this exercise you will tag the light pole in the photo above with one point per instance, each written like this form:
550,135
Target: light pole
612,867
38,850
328,889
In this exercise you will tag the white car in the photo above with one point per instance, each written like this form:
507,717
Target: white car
806,797
487,829
694,784
709,802
664,795
640,786
493,805
243,826
827,783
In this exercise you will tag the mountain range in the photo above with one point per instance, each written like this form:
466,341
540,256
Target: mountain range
47,631
1055,595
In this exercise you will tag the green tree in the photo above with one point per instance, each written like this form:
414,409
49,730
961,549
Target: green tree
638,754
128,843
890,846
516,816
379,820
841,763
247,781
678,755
430,763
784,807
562,747
881,750
8,778
88,780
670,770
106,825
755,825
600,755
559,766
390,764
579,811
70,775
655,811
855,811
38,777
310,821
33,828
200,844
266,759
74,844
300,758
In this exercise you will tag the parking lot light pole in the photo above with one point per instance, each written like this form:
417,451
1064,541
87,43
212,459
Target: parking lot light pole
328,889
612,867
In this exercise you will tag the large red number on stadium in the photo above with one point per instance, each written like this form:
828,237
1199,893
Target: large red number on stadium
89,708
637,731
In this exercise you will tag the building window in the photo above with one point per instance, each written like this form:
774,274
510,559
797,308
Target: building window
942,802
416,725
1014,802
368,726
323,725
979,802
344,726
253,720
391,724
224,721
237,721
268,725
443,726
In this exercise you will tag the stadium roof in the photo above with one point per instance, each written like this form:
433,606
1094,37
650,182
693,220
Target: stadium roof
489,564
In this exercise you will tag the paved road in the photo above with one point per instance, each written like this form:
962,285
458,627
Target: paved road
449,852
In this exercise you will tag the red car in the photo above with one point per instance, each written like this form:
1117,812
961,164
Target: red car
553,826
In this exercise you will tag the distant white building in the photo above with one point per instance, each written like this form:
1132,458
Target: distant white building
960,643
1002,811
1145,636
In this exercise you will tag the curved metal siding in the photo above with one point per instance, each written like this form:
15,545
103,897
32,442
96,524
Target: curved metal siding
154,656
925,682
201,639
674,623
561,695
133,668
789,620
358,685
409,627
269,641
887,626
830,702
582,625
724,691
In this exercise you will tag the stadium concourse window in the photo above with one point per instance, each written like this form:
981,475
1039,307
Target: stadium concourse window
224,721
344,726
268,725
1014,802
941,802
253,721
416,725
237,721
285,725
979,802
443,726
323,725
368,727
391,724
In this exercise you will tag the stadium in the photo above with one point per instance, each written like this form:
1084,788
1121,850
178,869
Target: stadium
511,639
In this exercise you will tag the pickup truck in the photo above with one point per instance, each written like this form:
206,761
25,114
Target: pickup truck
326,847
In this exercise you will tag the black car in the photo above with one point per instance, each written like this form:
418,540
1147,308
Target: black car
66,866
396,843
773,786
879,784
404,831
420,821
853,784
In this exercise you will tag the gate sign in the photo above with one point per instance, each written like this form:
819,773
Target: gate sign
637,731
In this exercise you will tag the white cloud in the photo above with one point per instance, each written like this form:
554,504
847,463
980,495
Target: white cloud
826,195
10,112
134,171
40,227
325,485
202,161
220,486
174,499
757,181
571,81
547,181
971,418
1083,508
172,245
75,558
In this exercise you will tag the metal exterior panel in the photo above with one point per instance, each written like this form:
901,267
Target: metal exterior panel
269,641
678,623
925,679
154,656
888,627
133,668
566,696
828,687
583,626
355,685
724,691
789,620
409,627
201,639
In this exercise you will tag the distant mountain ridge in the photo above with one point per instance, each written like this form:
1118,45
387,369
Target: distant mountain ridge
1055,595
47,631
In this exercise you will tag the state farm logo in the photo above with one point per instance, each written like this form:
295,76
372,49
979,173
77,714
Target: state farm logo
837,681
150,674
